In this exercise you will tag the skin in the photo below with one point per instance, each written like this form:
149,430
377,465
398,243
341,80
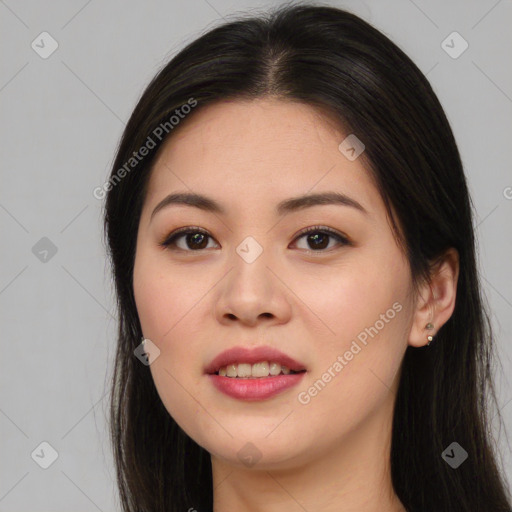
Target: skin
331,454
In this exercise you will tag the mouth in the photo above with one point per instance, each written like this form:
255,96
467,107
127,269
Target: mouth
257,374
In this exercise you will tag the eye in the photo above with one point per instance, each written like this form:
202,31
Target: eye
318,237
196,238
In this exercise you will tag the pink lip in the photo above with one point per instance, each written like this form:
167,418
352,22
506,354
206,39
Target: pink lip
237,355
255,388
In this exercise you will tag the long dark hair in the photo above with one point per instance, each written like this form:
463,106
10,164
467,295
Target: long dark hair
333,60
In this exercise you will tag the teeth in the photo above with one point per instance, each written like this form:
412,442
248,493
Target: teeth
244,370
275,368
231,370
256,370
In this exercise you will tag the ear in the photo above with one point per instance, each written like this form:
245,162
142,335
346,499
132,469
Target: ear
436,299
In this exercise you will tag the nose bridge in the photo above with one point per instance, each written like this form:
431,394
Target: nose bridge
252,236
250,250
251,274
251,289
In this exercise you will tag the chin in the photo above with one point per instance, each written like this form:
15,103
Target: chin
257,452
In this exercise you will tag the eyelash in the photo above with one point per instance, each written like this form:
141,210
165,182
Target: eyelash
170,240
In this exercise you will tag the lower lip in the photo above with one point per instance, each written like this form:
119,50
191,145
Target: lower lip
256,388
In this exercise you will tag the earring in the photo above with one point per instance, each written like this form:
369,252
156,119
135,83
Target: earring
429,326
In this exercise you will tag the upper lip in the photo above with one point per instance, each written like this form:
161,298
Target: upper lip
237,355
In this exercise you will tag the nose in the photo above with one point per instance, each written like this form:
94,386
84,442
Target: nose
252,293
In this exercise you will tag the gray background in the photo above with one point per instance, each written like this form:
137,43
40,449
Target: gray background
61,121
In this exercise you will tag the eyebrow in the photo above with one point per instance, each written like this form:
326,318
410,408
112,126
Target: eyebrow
287,206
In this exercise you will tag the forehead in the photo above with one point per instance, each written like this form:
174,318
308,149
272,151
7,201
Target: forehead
249,151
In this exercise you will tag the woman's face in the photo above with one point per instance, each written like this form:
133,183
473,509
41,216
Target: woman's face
342,310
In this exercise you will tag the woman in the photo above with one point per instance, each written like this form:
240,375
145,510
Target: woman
291,237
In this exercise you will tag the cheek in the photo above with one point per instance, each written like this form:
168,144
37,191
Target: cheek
165,304
163,296
345,301
364,313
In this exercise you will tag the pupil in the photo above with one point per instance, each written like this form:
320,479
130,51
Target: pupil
196,238
316,236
